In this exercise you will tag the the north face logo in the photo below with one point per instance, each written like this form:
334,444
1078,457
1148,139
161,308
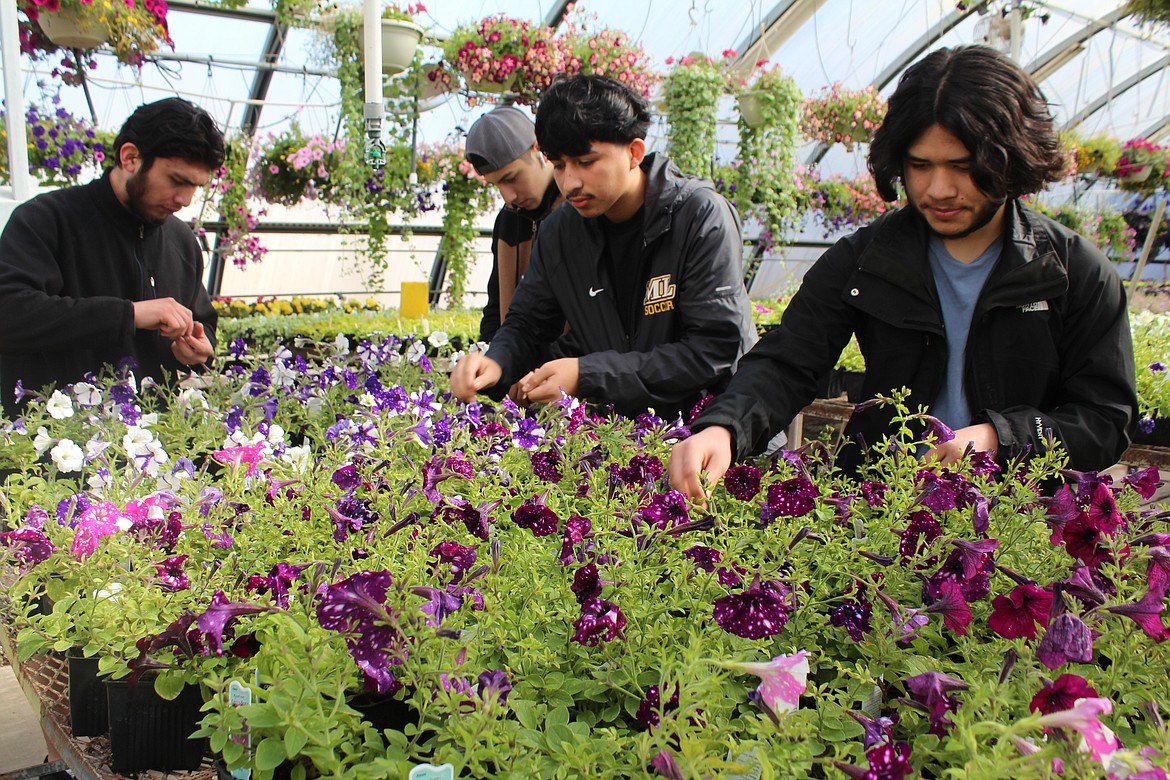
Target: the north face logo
659,295
1036,306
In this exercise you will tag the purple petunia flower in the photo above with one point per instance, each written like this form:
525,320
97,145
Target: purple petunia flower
642,470
665,765
527,433
546,465
347,477
759,611
665,510
576,529
171,576
356,607
790,498
278,582
586,583
1146,482
1147,613
877,730
541,520
456,510
1067,639
742,482
651,709
853,615
493,686
600,621
922,529
931,691
438,605
705,558
350,516
29,546
874,493
216,620
460,558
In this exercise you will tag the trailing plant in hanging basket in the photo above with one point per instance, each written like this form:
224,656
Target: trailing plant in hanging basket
133,28
292,167
1142,166
766,176
838,115
603,51
490,51
238,245
691,93
466,196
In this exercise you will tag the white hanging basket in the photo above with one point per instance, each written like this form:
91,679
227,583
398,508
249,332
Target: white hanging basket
751,109
494,87
72,32
400,39
1137,174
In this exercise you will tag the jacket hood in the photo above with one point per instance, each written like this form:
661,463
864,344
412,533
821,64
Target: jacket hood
666,188
102,191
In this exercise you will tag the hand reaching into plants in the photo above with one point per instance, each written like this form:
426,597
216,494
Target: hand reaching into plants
707,452
166,315
546,383
981,438
473,373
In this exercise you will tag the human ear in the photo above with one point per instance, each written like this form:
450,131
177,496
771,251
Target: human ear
637,152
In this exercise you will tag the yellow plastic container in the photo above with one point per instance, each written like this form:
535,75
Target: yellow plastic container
415,298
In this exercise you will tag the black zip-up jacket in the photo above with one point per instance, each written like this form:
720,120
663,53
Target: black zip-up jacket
72,262
695,319
1048,351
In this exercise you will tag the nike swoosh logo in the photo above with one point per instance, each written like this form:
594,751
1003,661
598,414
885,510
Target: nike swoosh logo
593,293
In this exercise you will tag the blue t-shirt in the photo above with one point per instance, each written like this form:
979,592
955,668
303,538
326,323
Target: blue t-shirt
958,285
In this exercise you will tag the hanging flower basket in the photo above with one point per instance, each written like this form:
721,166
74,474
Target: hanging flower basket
750,109
434,80
493,87
400,39
1139,174
73,32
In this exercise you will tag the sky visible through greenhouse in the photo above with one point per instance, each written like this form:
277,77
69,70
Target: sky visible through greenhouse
854,42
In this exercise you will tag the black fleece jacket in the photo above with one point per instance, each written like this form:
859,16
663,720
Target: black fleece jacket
695,322
1048,353
72,262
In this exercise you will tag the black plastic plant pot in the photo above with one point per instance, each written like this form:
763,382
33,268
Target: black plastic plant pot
87,697
384,712
147,732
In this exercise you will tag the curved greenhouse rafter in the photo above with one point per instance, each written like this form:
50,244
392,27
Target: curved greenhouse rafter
1062,53
1120,88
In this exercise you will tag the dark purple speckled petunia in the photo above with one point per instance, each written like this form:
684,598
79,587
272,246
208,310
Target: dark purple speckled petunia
791,498
759,611
600,621
742,482
538,518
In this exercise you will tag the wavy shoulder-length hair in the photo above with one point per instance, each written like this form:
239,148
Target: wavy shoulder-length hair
991,104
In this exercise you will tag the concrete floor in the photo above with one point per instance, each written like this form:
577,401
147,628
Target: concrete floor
21,743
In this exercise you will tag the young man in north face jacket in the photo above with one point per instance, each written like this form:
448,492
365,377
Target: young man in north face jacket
643,263
1011,329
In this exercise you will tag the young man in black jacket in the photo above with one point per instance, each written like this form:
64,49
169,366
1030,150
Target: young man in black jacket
1012,329
645,267
501,146
93,274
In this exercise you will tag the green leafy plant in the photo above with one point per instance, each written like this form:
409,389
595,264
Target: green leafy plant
691,92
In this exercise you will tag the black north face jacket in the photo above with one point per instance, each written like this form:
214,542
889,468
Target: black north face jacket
1048,351
695,320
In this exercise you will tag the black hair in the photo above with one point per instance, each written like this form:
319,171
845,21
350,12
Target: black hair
579,110
172,127
991,104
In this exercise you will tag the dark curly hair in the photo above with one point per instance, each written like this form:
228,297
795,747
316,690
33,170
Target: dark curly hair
581,109
172,127
991,104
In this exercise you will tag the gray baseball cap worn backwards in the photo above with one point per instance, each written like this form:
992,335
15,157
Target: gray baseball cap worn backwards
499,137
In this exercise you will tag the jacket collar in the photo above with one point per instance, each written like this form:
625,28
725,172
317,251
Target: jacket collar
898,252
103,194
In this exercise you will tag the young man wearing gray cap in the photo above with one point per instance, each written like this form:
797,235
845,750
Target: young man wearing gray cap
501,146
646,268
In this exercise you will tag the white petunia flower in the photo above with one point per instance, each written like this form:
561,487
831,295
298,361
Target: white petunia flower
67,456
59,406
367,400
99,481
438,339
298,457
192,397
94,448
42,441
86,394
415,352
136,439
342,344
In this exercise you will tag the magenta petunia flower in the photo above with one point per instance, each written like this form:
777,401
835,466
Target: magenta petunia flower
791,498
538,518
742,482
1084,541
1084,718
1067,639
953,607
278,582
216,620
1018,613
1062,694
931,690
1088,586
757,612
600,621
1146,482
96,523
1102,510
1147,613
246,454
642,470
576,529
665,765
1158,570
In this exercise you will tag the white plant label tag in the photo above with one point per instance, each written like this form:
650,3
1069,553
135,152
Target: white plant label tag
238,696
432,772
